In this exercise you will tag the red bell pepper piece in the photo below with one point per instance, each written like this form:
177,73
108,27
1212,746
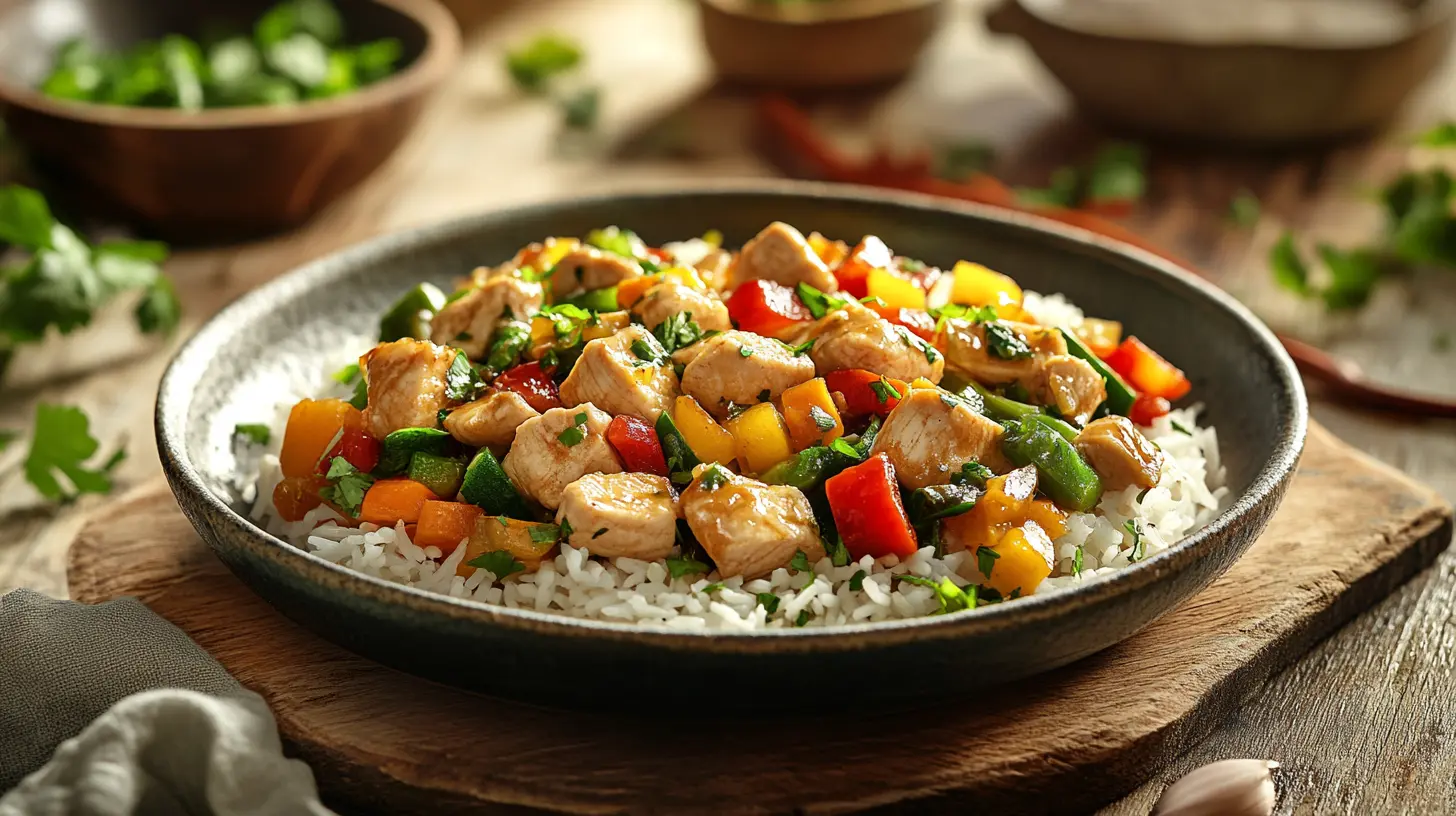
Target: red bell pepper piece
1145,370
865,500
637,443
852,273
766,308
1147,408
358,449
533,383
866,392
918,321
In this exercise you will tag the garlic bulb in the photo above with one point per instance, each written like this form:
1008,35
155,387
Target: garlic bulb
1231,787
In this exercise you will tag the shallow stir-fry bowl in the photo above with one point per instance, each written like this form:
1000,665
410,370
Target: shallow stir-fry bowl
244,360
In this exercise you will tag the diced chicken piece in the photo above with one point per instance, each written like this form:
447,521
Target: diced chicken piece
537,256
491,421
713,268
687,354
587,268
931,434
747,527
1070,384
857,337
469,322
555,449
966,350
667,299
1120,454
742,368
781,254
614,376
407,385
614,515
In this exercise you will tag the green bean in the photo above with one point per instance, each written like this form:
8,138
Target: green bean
807,468
1063,475
1120,395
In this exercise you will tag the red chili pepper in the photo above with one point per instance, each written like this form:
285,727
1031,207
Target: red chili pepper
1145,370
533,383
637,443
865,500
852,273
918,321
866,392
1147,408
356,447
766,308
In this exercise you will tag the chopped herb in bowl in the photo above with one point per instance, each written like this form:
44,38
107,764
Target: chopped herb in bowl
296,51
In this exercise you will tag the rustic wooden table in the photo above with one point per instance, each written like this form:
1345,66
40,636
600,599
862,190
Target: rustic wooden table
1361,723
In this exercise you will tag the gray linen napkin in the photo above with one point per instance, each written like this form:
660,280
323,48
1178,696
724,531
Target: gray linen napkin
110,709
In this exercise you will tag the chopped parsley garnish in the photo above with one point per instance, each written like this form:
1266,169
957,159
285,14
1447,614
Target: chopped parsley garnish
745,351
461,381
360,398
973,473
499,563
714,477
1005,342
532,65
873,300
1181,428
680,458
255,433
842,446
1077,562
951,597
647,350
800,562
544,533
802,349
511,339
61,443
835,549
678,331
681,565
856,581
986,560
503,521
804,617
1138,551
817,302
822,420
346,487
884,391
711,588
575,433
599,533
769,602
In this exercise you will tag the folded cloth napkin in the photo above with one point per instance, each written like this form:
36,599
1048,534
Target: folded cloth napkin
110,710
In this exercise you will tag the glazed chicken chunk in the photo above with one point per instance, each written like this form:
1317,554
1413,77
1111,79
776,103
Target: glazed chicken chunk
616,515
857,337
469,322
491,421
931,434
1070,384
587,268
747,527
781,254
968,350
667,299
742,368
558,447
1120,454
407,385
626,373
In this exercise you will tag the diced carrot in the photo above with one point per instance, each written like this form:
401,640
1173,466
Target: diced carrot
445,524
313,426
390,501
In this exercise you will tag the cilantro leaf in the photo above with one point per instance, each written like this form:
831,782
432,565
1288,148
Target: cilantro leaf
856,581
677,331
1117,174
532,65
575,433
1353,275
1138,550
712,477
1077,562
256,433
543,533
646,349
25,218
461,381
986,560
499,563
884,391
769,602
1289,269
159,310
346,487
681,565
804,617
950,597
1005,342
800,562
822,420
579,110
711,588
817,302
61,442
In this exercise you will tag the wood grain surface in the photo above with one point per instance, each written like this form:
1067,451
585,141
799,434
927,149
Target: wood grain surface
1361,722
1350,530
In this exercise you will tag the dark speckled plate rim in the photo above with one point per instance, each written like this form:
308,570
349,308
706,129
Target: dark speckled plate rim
192,359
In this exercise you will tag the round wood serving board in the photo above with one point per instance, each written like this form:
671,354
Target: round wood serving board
1349,531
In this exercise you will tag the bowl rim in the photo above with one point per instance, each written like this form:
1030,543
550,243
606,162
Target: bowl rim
192,359
795,16
441,52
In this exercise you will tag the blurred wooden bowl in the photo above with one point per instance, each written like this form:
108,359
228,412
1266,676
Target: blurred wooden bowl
1244,94
838,44
216,174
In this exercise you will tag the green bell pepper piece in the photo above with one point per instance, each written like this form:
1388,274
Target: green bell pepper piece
411,314
1063,475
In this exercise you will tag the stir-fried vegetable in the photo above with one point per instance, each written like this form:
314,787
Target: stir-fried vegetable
866,393
708,441
636,442
1147,371
410,315
445,524
811,414
1120,395
1065,476
487,486
766,308
760,438
868,511
390,501
535,385
313,427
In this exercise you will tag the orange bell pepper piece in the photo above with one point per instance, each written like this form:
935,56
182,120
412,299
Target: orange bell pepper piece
811,415
1146,370
445,524
313,426
390,501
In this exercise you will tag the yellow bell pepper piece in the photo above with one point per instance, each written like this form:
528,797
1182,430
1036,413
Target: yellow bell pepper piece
760,438
607,324
1024,560
921,382
895,291
631,290
709,441
684,275
809,410
975,285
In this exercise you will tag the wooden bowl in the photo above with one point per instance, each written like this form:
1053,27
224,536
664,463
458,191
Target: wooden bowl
1256,95
841,44
215,174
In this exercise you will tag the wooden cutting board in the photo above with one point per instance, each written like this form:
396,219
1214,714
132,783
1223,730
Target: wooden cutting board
1349,531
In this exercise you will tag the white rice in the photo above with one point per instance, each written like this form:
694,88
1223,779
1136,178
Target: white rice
630,591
